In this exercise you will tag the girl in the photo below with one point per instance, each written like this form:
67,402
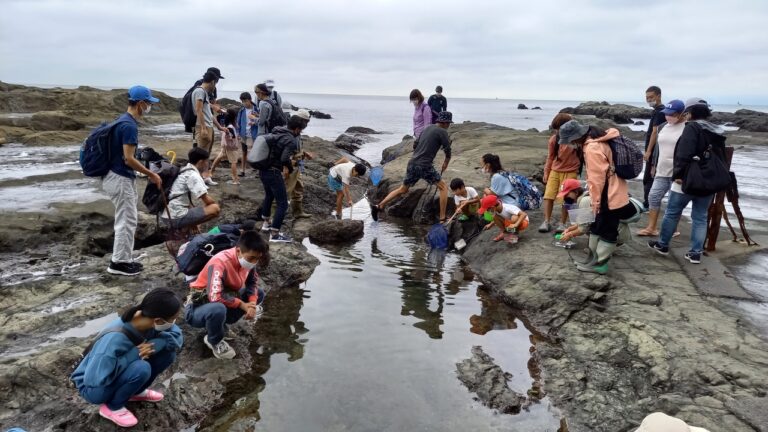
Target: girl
422,113
500,184
129,354
230,144
563,163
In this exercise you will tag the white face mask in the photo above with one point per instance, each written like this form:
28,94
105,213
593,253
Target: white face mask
672,120
149,108
164,327
415,102
652,104
245,264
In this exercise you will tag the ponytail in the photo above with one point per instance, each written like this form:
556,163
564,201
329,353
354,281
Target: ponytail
158,303
129,313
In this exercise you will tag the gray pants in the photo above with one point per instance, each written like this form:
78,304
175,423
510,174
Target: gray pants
122,192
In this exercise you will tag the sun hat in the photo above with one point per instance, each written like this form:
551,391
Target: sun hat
487,202
675,106
445,117
571,131
660,422
141,93
568,186
692,102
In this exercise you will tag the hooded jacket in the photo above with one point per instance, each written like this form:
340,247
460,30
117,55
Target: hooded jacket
598,159
223,277
696,137
283,145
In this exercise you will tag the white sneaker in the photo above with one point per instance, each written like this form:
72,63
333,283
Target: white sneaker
222,350
209,181
266,226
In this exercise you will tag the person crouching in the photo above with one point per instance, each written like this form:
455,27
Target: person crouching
507,217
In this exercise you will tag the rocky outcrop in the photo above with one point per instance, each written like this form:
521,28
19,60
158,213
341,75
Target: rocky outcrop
354,138
522,107
54,121
536,108
336,231
361,130
320,115
482,376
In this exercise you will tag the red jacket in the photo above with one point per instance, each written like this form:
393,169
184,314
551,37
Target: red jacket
223,278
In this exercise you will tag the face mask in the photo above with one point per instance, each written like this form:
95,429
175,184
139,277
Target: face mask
415,102
245,264
569,200
149,108
652,104
672,120
164,327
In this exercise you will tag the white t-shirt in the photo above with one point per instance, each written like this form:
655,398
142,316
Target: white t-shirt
248,113
471,194
667,140
343,171
189,182
509,210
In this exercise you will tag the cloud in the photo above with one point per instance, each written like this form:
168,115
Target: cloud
599,49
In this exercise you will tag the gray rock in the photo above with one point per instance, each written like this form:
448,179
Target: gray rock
361,130
320,115
522,107
639,123
54,121
489,382
536,108
336,231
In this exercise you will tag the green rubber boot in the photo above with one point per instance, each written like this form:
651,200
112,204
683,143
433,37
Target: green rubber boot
600,266
592,256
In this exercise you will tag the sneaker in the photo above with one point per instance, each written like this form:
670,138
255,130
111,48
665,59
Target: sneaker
266,226
375,212
663,250
138,265
222,350
693,257
560,228
242,174
121,417
545,227
209,181
230,335
125,269
147,396
278,237
233,182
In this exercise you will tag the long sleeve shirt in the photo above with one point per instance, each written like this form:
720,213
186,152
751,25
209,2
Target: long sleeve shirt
560,158
223,277
422,117
598,158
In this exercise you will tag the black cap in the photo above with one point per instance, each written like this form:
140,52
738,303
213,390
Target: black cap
445,117
216,72
263,88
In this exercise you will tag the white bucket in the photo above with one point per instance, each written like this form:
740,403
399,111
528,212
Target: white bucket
581,215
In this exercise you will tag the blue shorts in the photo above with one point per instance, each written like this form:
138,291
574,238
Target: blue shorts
415,173
335,184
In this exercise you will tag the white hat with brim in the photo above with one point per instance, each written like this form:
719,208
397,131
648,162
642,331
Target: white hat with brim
660,422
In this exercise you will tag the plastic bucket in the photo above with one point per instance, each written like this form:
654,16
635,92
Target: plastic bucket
581,215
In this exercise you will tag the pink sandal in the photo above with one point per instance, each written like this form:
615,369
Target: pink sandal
121,417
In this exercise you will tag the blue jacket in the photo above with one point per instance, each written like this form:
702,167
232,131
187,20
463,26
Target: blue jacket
242,124
114,351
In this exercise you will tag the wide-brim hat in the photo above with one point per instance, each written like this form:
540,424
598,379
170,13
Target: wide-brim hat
571,131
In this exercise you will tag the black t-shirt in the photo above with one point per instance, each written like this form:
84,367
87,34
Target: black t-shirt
657,118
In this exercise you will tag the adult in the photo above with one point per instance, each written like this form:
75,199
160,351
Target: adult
129,354
226,290
421,165
294,186
563,163
667,135
609,193
500,184
212,98
247,128
653,99
190,184
204,126
120,182
263,108
437,103
699,136
422,113
273,94
283,142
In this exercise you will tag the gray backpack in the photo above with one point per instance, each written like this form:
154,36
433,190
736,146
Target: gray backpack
259,156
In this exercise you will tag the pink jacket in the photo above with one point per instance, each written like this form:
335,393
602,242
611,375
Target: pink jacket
598,159
422,117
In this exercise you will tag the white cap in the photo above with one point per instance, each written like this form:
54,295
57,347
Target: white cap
303,113
660,422
269,83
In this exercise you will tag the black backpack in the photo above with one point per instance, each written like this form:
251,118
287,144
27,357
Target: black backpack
152,198
187,110
196,253
276,118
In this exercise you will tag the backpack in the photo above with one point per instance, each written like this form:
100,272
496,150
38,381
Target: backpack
528,196
276,117
196,253
96,150
259,157
168,173
627,157
437,238
136,341
187,110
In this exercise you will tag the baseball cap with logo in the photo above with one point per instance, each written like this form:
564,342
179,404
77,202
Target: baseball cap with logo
675,106
660,422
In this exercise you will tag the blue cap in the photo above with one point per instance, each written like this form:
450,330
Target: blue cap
675,106
141,93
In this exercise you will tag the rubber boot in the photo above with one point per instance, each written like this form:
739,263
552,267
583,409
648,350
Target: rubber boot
600,266
297,208
592,256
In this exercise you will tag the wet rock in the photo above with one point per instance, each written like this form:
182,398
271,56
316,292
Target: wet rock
752,410
639,123
397,150
361,130
522,107
608,111
489,382
336,231
320,115
536,108
54,121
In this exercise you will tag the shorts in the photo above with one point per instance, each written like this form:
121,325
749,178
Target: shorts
414,173
203,141
555,180
232,154
523,225
335,184
194,216
246,144
660,187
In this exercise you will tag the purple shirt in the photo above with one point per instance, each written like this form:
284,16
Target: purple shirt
422,117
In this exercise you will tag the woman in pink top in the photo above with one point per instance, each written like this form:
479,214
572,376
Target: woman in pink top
609,193
422,113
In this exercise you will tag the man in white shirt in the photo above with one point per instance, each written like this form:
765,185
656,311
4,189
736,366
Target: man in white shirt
187,185
339,177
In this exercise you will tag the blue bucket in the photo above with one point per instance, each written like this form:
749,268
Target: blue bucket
377,174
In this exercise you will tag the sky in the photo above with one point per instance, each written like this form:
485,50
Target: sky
508,49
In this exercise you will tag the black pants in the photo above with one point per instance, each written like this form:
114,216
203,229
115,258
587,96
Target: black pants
647,182
606,225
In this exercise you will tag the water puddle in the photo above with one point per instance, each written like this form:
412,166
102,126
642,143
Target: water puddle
43,197
750,271
169,132
88,328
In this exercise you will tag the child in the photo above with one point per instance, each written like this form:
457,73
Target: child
338,180
230,144
129,354
508,217
466,199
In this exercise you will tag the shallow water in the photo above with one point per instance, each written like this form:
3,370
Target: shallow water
371,342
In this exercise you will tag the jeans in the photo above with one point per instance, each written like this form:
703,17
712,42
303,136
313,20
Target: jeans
215,316
122,192
678,202
136,378
660,188
274,190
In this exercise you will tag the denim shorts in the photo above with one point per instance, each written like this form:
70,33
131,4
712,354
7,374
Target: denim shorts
335,184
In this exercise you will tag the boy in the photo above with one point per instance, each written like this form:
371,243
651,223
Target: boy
466,199
338,180
508,217
190,184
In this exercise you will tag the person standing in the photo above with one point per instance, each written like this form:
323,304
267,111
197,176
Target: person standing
699,136
263,108
421,165
247,127
273,94
422,113
437,103
667,135
212,98
204,126
563,163
120,183
653,99
293,184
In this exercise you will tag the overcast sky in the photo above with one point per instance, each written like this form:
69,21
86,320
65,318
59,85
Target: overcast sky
524,49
